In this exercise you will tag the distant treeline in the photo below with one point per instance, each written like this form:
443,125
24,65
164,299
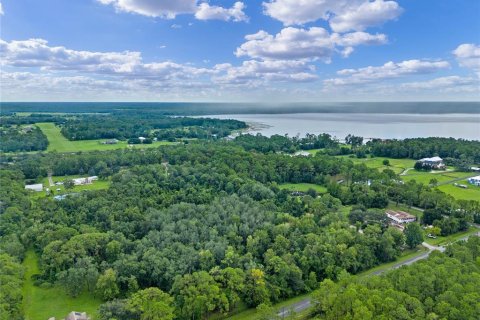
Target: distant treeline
181,108
146,125
457,152
18,139
13,119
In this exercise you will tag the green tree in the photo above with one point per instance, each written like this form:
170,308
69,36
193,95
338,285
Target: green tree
413,235
107,286
68,184
151,304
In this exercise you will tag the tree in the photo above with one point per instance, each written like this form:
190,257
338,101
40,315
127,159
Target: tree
413,235
256,291
151,304
107,286
386,162
68,184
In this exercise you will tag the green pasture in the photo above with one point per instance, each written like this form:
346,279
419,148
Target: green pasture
58,143
451,238
42,303
397,165
471,193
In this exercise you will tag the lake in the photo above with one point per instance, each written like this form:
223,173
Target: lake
367,125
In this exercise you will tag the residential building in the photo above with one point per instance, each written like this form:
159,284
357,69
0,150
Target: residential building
111,141
400,217
82,181
474,180
434,162
34,187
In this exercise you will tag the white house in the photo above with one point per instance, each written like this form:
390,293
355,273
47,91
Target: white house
474,180
434,162
141,139
81,181
400,216
34,187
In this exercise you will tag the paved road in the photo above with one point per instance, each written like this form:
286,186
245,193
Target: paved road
307,302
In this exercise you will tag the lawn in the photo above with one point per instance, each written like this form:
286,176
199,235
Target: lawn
397,165
43,303
57,142
442,177
471,193
303,187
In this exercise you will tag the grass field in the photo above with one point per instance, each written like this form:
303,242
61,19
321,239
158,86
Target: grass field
397,165
43,303
57,142
471,193
303,187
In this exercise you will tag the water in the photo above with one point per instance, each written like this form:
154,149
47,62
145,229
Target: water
367,125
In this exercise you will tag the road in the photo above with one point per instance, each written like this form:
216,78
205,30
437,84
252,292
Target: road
307,302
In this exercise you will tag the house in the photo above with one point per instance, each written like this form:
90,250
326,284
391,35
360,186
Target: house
302,154
434,162
141,139
34,187
82,181
111,141
475,169
400,217
474,180
77,316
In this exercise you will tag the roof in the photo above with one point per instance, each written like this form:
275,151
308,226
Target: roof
35,187
474,178
400,214
432,159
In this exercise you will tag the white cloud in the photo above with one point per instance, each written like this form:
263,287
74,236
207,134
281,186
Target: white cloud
343,15
254,72
295,43
235,13
169,9
366,15
389,70
154,8
1,9
468,55
450,83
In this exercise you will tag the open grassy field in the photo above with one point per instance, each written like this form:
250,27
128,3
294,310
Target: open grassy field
471,193
43,303
303,187
441,176
57,142
397,165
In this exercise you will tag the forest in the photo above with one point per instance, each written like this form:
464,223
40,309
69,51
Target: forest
444,286
16,138
133,125
202,228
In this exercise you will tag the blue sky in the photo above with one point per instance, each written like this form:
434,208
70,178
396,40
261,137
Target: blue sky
272,50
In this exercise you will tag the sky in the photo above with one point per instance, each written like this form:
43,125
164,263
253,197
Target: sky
231,51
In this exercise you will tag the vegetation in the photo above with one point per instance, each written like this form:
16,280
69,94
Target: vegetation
204,229
445,286
19,139
58,143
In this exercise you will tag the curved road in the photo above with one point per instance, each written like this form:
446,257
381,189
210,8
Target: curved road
307,302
